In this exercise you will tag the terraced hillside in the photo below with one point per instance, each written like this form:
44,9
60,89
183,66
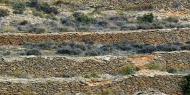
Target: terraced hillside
94,47
111,63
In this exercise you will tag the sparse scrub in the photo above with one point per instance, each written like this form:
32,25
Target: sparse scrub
9,29
168,47
43,45
147,49
123,46
83,19
33,52
37,30
172,19
94,52
69,51
92,75
154,66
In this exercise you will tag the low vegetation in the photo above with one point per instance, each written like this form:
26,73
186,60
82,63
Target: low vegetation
172,70
32,52
128,70
19,7
4,12
90,49
154,66
146,18
92,75
186,88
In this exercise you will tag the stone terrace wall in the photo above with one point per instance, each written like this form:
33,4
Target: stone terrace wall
68,67
147,37
171,85
60,67
176,60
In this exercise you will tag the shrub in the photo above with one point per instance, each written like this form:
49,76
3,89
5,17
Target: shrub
67,21
58,2
82,18
4,12
94,52
33,52
34,3
186,88
172,70
69,51
24,22
83,28
127,70
102,24
146,18
123,46
129,27
80,46
6,53
145,26
186,47
106,49
37,30
168,47
19,7
43,45
45,7
172,19
147,49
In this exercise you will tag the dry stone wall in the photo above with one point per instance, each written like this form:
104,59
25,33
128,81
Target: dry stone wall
171,85
144,37
67,67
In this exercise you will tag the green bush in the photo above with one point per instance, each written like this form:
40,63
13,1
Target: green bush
186,88
4,12
127,70
146,18
19,7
